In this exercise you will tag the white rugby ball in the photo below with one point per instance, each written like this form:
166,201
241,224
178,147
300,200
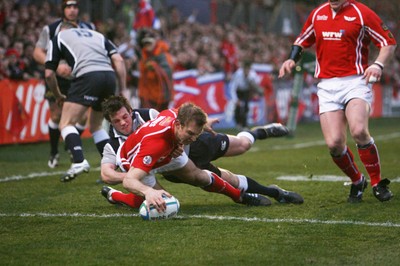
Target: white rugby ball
171,210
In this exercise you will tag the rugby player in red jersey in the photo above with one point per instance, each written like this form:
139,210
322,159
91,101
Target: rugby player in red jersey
342,31
150,150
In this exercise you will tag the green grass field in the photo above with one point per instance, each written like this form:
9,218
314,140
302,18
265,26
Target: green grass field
46,222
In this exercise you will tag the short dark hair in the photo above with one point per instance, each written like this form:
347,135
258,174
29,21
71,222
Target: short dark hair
113,104
188,112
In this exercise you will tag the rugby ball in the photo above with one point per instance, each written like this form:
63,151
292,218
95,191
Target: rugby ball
171,210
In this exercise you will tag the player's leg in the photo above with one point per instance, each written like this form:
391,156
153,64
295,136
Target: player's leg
54,132
209,181
334,125
244,140
100,136
357,114
70,115
132,200
249,185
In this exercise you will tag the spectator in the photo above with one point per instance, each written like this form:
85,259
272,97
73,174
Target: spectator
229,51
16,67
155,66
244,85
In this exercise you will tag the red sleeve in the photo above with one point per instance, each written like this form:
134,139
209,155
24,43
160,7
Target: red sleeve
378,32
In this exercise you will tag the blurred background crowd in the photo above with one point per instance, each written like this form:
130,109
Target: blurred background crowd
206,35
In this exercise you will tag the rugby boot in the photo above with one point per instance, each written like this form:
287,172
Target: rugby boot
356,191
381,190
271,130
287,196
75,170
253,199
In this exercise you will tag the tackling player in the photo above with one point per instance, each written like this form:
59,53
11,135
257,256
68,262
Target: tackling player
206,148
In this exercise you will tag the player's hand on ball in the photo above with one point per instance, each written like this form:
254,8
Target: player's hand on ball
155,198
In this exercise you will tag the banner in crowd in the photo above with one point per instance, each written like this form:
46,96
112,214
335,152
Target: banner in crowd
24,112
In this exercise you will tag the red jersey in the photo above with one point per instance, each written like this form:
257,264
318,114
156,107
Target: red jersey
151,145
342,38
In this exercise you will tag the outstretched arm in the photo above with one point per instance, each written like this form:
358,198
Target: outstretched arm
153,197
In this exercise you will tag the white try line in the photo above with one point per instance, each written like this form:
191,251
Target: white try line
324,178
35,175
206,217
390,136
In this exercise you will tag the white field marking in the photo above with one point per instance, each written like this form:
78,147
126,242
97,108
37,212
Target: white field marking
34,175
206,217
324,178
390,136
253,149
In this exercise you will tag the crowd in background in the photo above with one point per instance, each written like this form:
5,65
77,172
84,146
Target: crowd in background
236,34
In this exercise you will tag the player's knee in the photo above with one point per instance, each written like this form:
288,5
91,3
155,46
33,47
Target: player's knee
360,135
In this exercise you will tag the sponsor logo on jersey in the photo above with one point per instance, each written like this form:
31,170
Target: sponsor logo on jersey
147,160
223,145
90,98
166,121
349,18
322,17
332,35
384,27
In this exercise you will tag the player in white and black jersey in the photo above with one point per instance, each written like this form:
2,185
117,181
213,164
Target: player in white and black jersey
70,13
93,59
207,148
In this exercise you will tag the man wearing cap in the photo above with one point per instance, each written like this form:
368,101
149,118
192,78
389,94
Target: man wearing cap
70,13
155,66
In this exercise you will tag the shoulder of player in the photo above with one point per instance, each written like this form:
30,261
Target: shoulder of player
86,25
169,112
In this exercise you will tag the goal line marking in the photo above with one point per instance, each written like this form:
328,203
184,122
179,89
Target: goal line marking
206,217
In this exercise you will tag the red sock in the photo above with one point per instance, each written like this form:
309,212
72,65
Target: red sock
220,186
370,158
348,166
129,199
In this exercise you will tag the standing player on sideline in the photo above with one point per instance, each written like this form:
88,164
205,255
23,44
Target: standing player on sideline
70,13
342,31
206,148
88,53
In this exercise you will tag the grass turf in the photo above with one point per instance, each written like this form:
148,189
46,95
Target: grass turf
46,222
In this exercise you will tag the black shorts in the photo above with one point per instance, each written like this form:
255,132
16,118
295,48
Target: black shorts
92,88
63,84
208,148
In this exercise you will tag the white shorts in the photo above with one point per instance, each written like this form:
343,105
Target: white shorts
335,93
150,179
174,164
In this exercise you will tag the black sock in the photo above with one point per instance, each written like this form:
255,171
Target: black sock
54,135
255,187
74,144
259,133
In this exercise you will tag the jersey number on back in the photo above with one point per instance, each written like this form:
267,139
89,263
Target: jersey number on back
83,33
